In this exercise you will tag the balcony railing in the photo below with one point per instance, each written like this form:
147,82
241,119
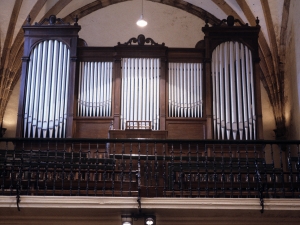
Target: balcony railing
150,168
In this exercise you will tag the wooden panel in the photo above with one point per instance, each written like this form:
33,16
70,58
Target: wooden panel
91,128
186,55
186,129
158,134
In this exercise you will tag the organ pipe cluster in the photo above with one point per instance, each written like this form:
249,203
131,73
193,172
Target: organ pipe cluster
140,91
45,111
233,92
185,90
95,89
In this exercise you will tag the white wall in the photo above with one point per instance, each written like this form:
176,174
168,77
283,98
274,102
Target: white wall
292,72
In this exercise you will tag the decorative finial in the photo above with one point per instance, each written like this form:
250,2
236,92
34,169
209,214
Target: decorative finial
28,19
206,22
52,19
257,21
76,20
230,21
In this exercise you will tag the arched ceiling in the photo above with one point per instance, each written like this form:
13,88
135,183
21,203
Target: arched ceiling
178,23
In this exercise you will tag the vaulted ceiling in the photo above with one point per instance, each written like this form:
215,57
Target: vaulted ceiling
176,22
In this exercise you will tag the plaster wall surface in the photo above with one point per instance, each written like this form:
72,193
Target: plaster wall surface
292,72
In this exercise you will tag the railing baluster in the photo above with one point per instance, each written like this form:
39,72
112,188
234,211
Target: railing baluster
155,170
4,171
37,176
190,170
147,172
181,174
12,173
54,170
63,172
273,170
206,172
291,181
29,170
298,167
264,164
172,176
164,170
247,172
130,169
282,173
222,168
230,175
139,172
46,169
215,172
96,175
79,169
88,168
122,168
113,169
239,180
71,168
105,166
198,171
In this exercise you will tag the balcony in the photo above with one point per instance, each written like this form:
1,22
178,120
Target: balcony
139,173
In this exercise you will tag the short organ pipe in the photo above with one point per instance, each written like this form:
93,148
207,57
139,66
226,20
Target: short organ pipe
185,90
95,89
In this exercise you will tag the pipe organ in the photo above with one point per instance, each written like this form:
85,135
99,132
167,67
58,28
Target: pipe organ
69,89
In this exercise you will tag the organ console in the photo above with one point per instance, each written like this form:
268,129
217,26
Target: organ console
207,92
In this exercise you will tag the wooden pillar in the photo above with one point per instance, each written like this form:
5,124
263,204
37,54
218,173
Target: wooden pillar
162,94
257,94
71,95
20,117
117,92
208,91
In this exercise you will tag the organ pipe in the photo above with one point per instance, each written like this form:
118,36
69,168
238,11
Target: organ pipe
140,91
233,93
47,91
94,89
185,90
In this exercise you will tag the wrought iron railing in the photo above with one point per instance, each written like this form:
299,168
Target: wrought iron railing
150,168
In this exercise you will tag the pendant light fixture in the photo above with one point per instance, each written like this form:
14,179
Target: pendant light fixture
141,22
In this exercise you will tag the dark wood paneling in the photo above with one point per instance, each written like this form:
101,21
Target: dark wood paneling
186,128
91,128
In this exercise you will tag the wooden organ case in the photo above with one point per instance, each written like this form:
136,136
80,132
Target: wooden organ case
140,88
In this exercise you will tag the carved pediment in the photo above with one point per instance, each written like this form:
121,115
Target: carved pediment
141,40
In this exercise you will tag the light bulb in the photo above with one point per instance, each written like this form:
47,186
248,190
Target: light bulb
141,22
127,223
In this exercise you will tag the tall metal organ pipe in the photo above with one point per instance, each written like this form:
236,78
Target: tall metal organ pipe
233,92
